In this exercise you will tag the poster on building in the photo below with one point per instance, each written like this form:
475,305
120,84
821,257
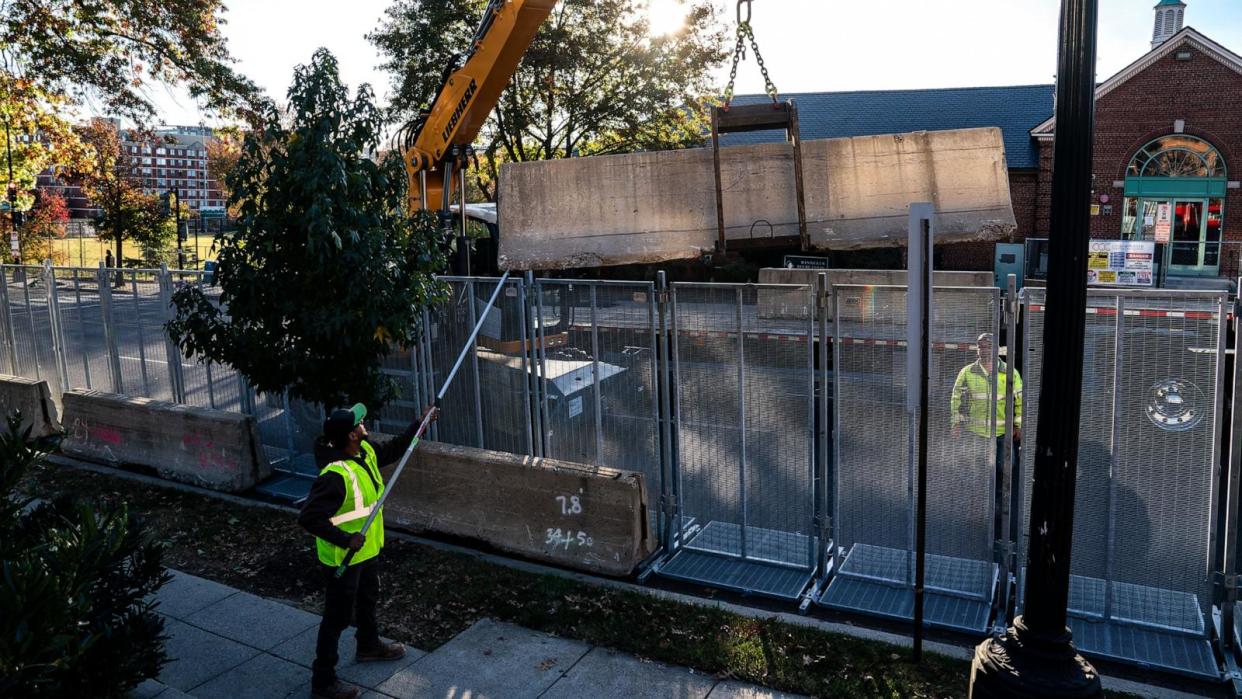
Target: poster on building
1164,223
1121,262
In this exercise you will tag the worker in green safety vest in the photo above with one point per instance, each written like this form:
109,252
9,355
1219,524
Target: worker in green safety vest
347,489
979,417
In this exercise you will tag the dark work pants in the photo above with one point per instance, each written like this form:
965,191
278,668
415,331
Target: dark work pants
1015,489
354,593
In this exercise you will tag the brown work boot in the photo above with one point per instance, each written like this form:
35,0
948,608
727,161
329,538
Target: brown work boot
381,652
336,691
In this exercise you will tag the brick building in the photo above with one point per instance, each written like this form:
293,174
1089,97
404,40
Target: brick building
174,156
1168,136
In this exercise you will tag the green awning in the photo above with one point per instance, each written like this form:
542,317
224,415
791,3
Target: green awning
1173,187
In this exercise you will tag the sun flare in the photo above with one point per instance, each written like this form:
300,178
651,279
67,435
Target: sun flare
665,16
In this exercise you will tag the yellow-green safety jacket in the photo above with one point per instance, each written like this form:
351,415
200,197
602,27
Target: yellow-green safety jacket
361,494
970,404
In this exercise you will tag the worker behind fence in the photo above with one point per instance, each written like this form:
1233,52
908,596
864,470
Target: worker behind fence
974,409
341,498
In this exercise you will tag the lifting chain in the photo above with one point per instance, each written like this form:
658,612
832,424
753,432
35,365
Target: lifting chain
744,32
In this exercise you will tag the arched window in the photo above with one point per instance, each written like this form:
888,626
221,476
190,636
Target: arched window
1178,155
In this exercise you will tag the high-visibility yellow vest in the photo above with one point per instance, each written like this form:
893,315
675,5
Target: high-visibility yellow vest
970,402
361,494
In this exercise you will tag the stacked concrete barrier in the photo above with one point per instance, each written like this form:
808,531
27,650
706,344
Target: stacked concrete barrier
792,305
583,517
204,447
34,399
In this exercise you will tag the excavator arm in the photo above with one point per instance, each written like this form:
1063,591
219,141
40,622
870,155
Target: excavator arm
469,93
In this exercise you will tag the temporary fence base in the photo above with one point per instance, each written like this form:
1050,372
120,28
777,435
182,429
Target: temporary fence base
872,580
762,545
1146,626
1148,648
739,575
286,486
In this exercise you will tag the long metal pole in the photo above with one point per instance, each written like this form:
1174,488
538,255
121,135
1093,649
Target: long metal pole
1037,657
422,426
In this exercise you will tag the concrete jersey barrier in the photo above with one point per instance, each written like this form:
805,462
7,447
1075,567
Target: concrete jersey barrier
583,517
34,399
204,447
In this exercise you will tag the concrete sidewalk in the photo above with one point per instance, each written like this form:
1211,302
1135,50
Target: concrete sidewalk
233,645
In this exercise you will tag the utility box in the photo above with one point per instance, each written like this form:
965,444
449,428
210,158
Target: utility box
1010,258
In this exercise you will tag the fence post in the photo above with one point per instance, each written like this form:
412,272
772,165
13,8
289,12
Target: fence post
599,403
58,338
1228,581
82,347
1110,542
531,356
105,311
1004,540
142,340
176,377
528,417
741,413
663,412
673,391
6,317
474,363
822,513
834,524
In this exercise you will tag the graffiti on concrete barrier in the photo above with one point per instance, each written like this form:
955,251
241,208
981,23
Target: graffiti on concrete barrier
207,455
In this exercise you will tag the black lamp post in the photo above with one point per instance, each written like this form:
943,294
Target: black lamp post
1037,658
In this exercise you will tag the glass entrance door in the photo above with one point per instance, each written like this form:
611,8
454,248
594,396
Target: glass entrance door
1194,247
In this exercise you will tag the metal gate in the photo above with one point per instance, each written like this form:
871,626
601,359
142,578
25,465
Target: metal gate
1145,503
874,471
744,466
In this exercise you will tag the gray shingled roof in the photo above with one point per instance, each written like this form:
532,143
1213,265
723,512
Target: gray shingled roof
1016,110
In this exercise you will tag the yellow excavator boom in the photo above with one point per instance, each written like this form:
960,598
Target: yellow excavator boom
469,94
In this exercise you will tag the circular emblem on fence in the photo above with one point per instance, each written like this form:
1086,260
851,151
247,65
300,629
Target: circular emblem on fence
1176,405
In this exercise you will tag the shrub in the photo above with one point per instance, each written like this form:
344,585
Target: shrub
76,584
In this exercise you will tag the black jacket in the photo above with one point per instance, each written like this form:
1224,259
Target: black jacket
328,491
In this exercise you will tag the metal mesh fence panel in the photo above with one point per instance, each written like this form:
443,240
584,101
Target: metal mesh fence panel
486,404
745,424
32,324
82,330
873,488
1144,503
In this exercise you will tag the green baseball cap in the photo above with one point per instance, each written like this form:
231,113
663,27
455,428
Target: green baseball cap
341,421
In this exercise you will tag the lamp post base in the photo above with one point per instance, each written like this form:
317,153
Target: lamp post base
1024,665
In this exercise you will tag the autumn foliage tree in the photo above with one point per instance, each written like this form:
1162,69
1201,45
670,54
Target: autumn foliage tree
43,227
108,52
594,80
325,272
111,178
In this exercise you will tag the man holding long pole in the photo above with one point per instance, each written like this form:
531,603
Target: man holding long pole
345,494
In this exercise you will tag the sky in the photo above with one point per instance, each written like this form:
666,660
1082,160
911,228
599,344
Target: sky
808,45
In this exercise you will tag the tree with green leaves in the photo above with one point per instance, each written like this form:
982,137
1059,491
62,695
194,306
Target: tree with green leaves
325,272
594,81
106,52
